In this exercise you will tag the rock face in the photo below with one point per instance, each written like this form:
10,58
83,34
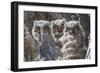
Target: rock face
47,46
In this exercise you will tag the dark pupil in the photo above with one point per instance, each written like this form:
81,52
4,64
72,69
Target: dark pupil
46,28
37,29
62,25
55,28
75,29
68,29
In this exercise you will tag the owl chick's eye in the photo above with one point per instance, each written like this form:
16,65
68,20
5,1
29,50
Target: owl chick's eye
67,29
76,29
55,27
62,25
37,29
46,28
